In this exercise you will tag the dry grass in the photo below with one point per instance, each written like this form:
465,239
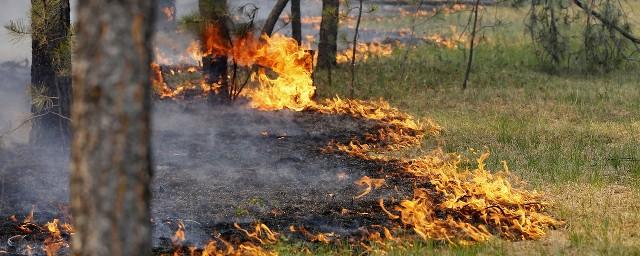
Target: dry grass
574,136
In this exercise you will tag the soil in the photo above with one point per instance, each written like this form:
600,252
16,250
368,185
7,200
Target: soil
215,166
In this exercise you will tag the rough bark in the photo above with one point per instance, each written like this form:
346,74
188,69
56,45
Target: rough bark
215,68
296,24
273,17
111,169
328,47
50,78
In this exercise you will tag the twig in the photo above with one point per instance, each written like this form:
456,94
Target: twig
606,22
473,39
353,52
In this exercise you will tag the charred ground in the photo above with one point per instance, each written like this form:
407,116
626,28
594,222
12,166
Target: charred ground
218,166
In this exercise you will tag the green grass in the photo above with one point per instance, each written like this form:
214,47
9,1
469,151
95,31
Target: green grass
573,135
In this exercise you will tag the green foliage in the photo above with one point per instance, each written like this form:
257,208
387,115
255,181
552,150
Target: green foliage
555,26
39,99
605,48
547,22
18,30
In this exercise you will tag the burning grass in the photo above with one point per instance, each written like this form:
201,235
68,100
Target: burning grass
450,203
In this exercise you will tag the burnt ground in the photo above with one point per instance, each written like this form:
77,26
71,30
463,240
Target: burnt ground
224,165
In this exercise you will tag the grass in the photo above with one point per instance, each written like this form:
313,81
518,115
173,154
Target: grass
571,134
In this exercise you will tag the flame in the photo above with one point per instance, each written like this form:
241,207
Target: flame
460,206
54,242
369,184
291,85
261,233
364,51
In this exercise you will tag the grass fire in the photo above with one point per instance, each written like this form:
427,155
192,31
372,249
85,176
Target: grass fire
163,127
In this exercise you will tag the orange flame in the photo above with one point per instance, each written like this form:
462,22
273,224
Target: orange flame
291,85
369,184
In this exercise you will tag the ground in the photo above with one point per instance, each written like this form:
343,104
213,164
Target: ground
571,134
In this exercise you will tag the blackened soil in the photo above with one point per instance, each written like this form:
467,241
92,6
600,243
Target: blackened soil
223,165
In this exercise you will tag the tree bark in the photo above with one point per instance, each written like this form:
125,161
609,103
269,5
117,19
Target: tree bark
273,17
328,47
296,24
215,68
111,169
50,68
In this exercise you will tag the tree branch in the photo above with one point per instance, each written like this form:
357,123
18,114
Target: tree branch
608,23
270,23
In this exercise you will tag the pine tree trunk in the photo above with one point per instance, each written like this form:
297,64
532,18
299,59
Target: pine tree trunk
214,68
50,68
111,169
328,47
296,25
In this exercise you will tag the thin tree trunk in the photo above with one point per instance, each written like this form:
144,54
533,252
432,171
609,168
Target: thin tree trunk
50,78
473,39
273,17
328,47
215,68
353,53
296,24
111,169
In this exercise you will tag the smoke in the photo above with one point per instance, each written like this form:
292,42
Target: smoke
213,165
231,164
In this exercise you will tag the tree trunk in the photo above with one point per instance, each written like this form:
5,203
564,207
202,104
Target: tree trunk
50,78
273,17
111,169
215,68
296,24
327,47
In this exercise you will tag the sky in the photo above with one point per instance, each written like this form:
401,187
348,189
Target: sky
9,50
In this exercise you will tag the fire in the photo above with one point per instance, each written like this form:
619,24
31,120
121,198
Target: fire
461,206
364,51
284,80
369,184
261,235
54,242
451,42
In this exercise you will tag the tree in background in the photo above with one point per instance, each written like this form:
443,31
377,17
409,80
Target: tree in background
50,89
215,68
274,15
296,24
328,47
604,43
111,169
